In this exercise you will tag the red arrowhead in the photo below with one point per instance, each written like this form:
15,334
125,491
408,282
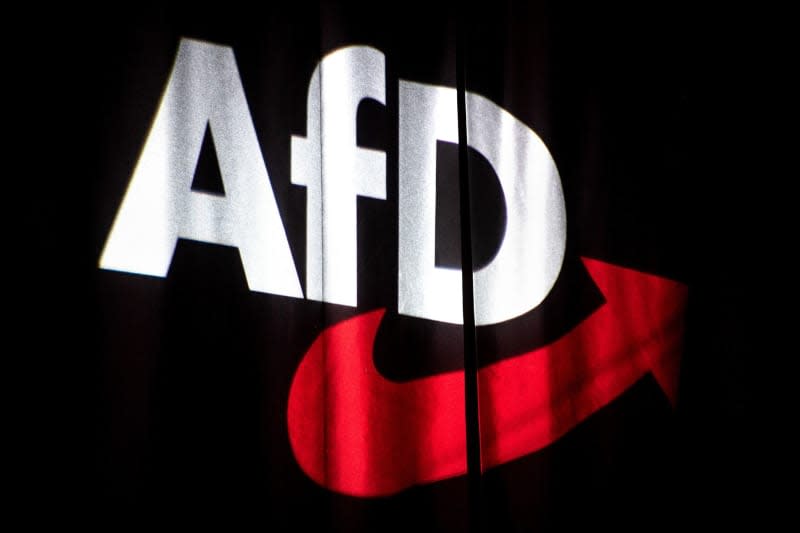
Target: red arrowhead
358,433
530,401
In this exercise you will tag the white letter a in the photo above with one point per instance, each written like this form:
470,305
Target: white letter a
204,88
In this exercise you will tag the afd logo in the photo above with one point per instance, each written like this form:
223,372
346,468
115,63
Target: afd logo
351,429
205,90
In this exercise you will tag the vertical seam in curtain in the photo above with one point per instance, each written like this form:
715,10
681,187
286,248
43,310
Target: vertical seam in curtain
470,350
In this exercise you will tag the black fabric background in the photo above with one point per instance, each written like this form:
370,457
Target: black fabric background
162,402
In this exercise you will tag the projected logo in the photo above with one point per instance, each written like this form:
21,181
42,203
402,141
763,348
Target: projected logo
343,415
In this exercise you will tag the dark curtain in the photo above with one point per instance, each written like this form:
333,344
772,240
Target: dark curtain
178,414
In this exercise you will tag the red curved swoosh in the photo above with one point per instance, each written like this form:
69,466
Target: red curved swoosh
355,432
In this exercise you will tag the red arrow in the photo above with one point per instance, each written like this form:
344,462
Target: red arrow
357,433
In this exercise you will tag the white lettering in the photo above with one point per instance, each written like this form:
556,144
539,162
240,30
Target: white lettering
334,170
204,88
529,260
